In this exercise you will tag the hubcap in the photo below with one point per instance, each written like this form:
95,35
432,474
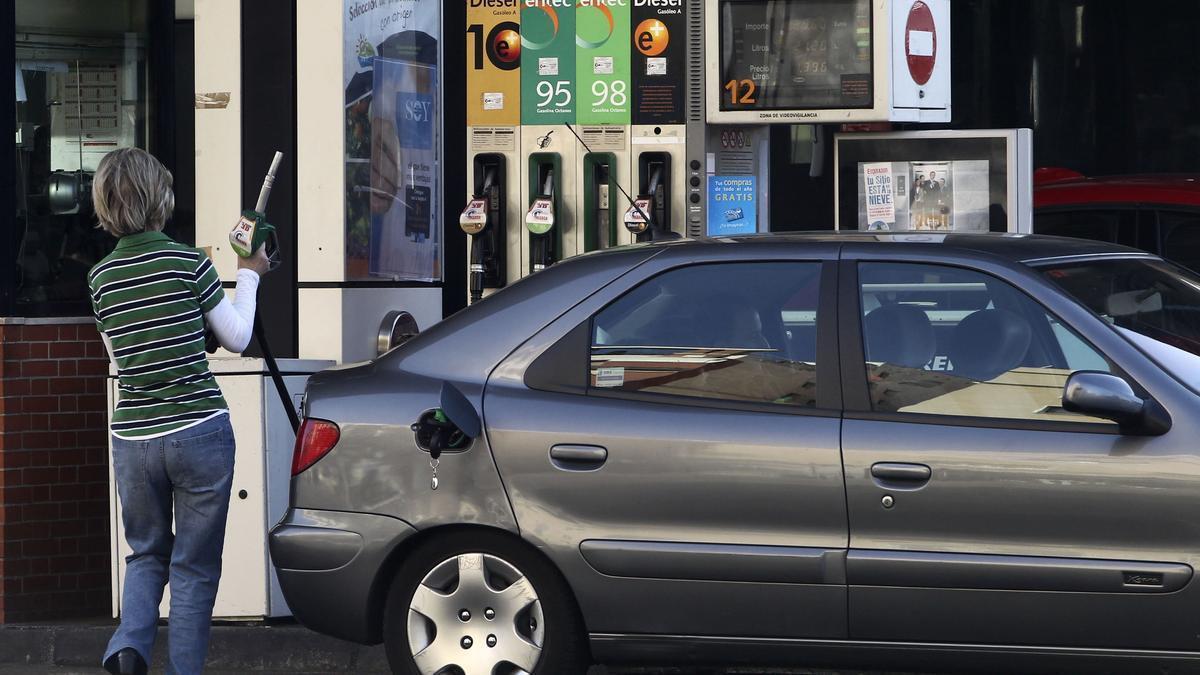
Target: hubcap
477,614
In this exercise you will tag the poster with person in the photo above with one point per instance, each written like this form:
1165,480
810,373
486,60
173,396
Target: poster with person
392,139
931,196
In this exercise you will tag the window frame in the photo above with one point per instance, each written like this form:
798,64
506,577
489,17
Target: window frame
857,394
571,348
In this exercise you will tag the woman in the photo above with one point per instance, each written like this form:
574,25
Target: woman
172,441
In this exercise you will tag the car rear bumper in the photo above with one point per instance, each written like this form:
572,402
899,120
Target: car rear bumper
328,561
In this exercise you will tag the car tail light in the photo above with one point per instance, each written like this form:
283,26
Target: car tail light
315,440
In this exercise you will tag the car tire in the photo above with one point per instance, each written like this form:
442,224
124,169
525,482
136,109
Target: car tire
435,564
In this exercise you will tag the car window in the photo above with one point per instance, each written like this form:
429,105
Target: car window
1117,226
739,332
943,340
1181,237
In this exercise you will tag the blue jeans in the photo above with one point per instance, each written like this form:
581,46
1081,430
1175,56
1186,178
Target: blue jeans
193,469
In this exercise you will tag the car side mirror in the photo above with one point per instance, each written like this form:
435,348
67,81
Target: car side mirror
1110,397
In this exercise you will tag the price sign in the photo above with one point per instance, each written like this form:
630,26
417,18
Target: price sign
493,63
548,72
602,61
805,56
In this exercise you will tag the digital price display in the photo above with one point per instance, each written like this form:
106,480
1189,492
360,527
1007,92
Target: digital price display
795,55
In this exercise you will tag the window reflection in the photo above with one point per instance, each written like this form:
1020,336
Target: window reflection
81,92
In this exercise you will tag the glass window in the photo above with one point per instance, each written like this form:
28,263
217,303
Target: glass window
393,146
1111,225
948,341
1148,297
737,332
82,91
1181,237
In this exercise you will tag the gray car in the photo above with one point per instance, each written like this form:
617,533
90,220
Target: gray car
936,452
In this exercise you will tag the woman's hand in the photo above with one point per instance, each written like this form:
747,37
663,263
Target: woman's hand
257,262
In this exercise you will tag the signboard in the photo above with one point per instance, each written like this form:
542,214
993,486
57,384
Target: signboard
878,196
920,42
548,69
935,181
796,55
827,61
392,143
732,205
659,70
493,62
602,61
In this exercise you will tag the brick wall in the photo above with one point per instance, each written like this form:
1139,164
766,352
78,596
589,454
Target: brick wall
54,541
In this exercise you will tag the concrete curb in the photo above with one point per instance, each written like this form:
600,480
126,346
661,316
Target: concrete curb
234,648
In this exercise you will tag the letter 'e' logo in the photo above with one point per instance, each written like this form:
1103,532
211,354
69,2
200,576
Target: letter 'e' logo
504,46
651,37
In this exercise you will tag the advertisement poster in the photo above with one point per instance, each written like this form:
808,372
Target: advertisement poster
602,61
731,205
925,195
931,196
548,62
390,73
659,68
493,63
880,190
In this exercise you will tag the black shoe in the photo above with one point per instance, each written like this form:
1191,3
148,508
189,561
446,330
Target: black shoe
126,662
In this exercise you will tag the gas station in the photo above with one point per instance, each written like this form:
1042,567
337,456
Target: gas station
435,153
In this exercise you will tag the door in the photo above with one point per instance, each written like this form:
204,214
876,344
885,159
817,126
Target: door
673,446
980,510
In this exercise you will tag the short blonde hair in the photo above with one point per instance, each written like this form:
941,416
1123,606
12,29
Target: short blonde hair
132,192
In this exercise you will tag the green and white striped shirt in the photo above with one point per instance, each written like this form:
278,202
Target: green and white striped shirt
150,296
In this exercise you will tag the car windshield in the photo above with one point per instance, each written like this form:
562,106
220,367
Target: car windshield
1146,298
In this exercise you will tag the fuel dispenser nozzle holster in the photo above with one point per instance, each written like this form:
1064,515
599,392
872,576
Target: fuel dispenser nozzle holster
483,220
540,217
648,216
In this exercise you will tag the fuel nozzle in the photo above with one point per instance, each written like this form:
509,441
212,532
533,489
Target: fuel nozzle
643,216
540,220
474,221
474,218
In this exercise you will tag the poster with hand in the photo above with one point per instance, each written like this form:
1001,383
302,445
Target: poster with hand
392,143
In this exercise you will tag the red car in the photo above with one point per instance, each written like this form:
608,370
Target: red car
1156,213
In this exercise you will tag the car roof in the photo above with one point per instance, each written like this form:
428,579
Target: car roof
1020,248
1178,189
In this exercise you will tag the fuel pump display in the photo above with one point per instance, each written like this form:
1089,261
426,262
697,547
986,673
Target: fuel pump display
787,55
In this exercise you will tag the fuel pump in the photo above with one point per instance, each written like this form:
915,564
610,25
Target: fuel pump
484,220
545,171
649,217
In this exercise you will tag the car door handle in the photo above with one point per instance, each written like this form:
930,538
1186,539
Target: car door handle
578,457
900,475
